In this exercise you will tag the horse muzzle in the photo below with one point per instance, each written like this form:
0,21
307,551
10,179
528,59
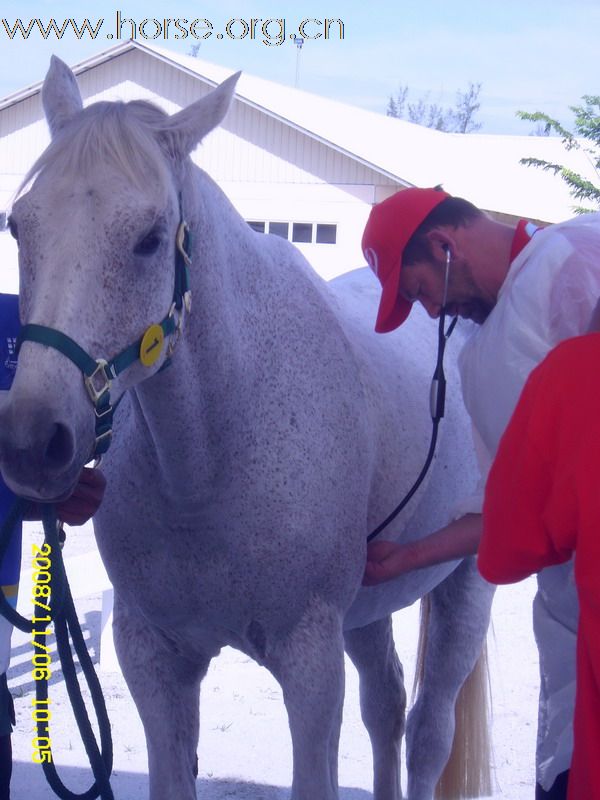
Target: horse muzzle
39,455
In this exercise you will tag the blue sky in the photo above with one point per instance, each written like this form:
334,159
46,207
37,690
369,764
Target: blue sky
529,55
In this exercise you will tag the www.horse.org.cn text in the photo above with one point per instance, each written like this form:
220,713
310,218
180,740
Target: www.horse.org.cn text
272,31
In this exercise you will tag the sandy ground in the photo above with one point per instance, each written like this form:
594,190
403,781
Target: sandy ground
245,748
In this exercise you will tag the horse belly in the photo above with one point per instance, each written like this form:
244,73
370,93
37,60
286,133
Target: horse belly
377,602
396,370
253,575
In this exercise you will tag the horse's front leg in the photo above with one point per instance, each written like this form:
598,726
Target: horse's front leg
309,665
165,687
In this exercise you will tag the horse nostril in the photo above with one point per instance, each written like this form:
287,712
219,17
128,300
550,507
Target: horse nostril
60,447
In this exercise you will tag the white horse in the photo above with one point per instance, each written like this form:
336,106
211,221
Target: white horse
244,478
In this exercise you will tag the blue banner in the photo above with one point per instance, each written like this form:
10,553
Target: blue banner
9,330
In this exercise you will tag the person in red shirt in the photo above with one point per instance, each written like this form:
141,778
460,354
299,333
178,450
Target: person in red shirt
542,505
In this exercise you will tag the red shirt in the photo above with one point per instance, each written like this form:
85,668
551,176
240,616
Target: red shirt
542,504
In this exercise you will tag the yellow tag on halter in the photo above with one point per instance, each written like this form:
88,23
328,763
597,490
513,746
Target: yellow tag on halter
152,345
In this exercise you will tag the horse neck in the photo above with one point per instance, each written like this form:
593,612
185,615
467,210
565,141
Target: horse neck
195,409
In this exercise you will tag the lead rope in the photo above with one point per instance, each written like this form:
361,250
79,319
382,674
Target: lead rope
61,611
97,379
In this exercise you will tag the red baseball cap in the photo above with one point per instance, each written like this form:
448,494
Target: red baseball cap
388,230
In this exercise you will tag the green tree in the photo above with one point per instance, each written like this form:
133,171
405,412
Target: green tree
456,119
585,137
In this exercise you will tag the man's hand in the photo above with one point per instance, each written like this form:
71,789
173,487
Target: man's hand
385,560
85,500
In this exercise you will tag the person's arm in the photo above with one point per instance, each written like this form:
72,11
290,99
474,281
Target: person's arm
517,538
82,504
387,560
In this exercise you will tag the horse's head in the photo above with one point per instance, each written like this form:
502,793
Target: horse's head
97,223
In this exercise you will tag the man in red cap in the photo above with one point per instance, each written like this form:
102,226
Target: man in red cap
527,289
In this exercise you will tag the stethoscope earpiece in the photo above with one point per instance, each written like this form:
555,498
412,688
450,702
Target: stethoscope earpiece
448,259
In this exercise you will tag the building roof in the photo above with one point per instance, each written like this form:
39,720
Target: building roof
480,167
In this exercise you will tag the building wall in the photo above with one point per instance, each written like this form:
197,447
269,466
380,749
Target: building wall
271,171
23,136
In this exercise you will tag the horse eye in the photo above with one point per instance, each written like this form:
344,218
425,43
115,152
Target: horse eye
12,227
148,245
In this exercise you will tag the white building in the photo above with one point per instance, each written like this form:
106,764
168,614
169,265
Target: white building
294,163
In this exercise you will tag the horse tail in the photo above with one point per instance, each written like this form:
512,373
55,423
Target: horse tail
467,773
424,614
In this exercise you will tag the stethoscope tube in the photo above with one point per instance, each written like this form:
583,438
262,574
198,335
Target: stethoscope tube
437,401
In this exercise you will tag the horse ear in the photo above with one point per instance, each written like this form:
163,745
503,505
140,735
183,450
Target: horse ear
61,98
183,131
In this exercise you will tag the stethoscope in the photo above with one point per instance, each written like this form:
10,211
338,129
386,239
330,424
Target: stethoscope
437,400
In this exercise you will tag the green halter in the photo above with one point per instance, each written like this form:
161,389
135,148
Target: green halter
98,373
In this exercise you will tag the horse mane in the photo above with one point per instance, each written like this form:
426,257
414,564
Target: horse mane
120,134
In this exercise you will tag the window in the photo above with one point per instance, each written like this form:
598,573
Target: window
326,234
280,229
302,232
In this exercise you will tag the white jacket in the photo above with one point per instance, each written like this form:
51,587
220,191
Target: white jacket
549,294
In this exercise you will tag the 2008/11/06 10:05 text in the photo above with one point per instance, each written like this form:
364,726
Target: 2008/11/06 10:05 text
41,659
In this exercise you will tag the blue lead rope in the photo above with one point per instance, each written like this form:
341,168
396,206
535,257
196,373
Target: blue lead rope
97,375
62,612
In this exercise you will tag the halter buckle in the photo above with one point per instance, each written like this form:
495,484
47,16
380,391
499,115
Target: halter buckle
98,383
176,335
182,231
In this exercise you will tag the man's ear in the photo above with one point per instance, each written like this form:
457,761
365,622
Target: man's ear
442,241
